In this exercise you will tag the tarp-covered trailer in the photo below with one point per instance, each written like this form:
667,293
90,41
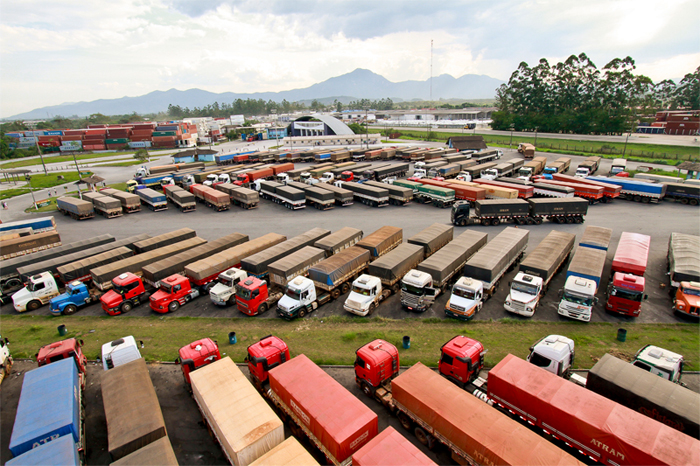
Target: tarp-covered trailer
343,197
448,261
596,237
587,263
337,269
683,258
391,267
382,241
297,263
490,262
559,210
433,238
549,255
76,208
164,240
398,195
130,202
288,453
23,245
258,264
341,239
60,452
390,447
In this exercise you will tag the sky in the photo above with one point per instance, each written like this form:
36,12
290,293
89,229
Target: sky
59,51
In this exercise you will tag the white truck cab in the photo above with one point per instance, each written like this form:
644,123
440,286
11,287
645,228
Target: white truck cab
525,173
306,177
524,295
142,171
578,298
300,293
188,181
464,176
555,354
419,173
582,172
466,299
38,292
223,293
5,358
489,174
366,293
283,178
327,177
417,292
119,352
661,362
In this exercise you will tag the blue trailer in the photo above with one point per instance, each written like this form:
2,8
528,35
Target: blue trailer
50,407
38,225
228,158
60,452
153,199
683,192
596,238
322,157
633,190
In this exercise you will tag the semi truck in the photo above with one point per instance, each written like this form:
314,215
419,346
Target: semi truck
588,167
321,199
683,259
524,192
398,195
381,241
211,197
532,168
76,295
240,196
582,283
77,209
536,271
183,200
437,195
130,202
561,165
610,191
618,166
594,194
388,271
223,293
287,196
607,432
368,195
341,239
164,239
15,247
432,238
683,193
106,206
634,190
528,150
544,189
197,354
256,430
520,211
127,292
343,197
625,291
152,199
379,173
482,273
327,280
420,287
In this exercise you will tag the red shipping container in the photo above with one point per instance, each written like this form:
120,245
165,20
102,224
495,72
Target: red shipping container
71,138
281,168
341,422
610,190
390,448
96,126
164,138
142,132
98,147
74,132
467,193
524,192
586,190
139,138
603,429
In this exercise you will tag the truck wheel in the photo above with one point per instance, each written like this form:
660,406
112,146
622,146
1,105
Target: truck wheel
496,221
463,222
693,202
538,221
33,305
69,310
174,306
262,308
372,307
302,313
405,421
345,287
335,294
396,287
486,221
637,198
424,438
126,307
645,200
367,389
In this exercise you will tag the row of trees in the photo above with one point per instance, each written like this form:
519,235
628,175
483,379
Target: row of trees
577,97
247,107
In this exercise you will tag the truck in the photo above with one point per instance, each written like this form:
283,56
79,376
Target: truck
327,280
532,168
439,196
491,190
223,293
445,171
123,407
432,238
602,429
502,169
60,452
77,295
379,173
536,271
683,193
245,179
383,278
321,199
130,202
520,211
381,241
289,197
306,395
421,286
211,197
594,194
164,239
106,206
23,245
127,291
152,199
561,165
610,191
343,197
257,430
341,239
528,150
183,200
653,396
660,362
77,209
240,196
173,291
368,195
471,172
197,354
523,192
544,189
44,416
487,155
398,195
6,360
625,291
119,352
582,283
482,273
634,190
618,166
683,259
588,167
40,289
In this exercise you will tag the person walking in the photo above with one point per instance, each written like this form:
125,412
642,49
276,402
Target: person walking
4,205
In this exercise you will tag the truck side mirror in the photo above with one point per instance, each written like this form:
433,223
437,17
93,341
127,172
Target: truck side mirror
595,300
646,296
509,284
80,342
141,343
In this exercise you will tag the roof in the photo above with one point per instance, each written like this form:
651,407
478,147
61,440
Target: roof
336,126
692,166
467,142
94,179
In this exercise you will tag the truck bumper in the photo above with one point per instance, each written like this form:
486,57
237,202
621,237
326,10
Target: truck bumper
518,311
456,315
582,316
357,312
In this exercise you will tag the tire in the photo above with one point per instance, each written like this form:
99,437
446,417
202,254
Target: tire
367,389
463,222
262,309
302,312
645,200
421,435
570,220
126,307
372,307
33,305
70,310
344,288
496,221
173,306
335,294
538,221
405,421
684,200
486,221
693,202
579,219
637,198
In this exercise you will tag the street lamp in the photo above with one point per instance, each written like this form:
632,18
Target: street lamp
277,133
536,136
366,128
29,182
510,144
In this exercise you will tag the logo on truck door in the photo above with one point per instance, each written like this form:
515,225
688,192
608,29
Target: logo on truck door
304,417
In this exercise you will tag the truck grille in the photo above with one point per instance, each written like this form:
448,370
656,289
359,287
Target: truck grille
693,310
517,306
409,299
353,305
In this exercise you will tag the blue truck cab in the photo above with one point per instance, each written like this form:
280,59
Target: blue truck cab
76,295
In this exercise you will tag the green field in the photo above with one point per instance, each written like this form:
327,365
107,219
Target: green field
334,340
41,181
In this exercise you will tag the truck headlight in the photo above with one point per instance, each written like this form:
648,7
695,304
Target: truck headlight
508,302
528,309
681,306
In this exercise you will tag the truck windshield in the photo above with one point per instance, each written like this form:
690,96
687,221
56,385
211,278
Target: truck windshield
572,298
414,290
36,286
294,294
166,288
524,288
362,291
690,291
462,293
629,295
243,292
524,172
242,177
225,281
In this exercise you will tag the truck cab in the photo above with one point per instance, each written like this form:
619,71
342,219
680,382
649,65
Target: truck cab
347,176
582,172
5,358
119,352
524,295
223,293
553,353
687,298
127,291
460,213
418,174
172,293
167,181
282,178
306,177
365,295
417,292
661,362
298,300
69,348
141,172
327,177
464,176
525,173
188,181
197,354
489,174
242,179
625,294
39,291
376,364
466,299
618,166
76,295
252,296
578,298
263,356
461,359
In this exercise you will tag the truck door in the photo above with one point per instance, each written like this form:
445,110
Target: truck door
545,363
430,294
452,368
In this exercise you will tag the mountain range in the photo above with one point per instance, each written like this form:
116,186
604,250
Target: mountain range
358,84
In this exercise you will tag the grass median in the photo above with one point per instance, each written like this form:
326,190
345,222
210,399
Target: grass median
334,340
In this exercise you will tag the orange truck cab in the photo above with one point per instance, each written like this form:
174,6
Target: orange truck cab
174,291
126,293
461,359
265,355
70,348
197,354
687,298
376,364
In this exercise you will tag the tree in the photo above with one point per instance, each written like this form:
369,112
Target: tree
338,106
687,93
141,155
357,128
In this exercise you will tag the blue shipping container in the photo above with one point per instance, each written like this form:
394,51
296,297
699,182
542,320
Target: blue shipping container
49,407
54,133
60,452
631,185
37,225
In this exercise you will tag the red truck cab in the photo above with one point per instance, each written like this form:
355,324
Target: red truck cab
461,359
251,296
173,292
347,176
264,355
127,291
625,294
197,354
376,364
70,348
242,180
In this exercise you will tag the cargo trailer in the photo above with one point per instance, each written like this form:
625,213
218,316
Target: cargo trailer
391,267
432,238
390,447
11,248
283,270
343,197
152,199
183,200
341,239
75,208
398,195
60,452
368,195
382,241
38,225
130,202
288,453
634,190
165,239
596,237
244,197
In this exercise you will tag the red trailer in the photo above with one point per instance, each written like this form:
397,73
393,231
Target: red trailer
632,254
610,191
586,191
390,448
466,192
281,168
215,199
626,291
331,417
243,158
606,431
524,192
